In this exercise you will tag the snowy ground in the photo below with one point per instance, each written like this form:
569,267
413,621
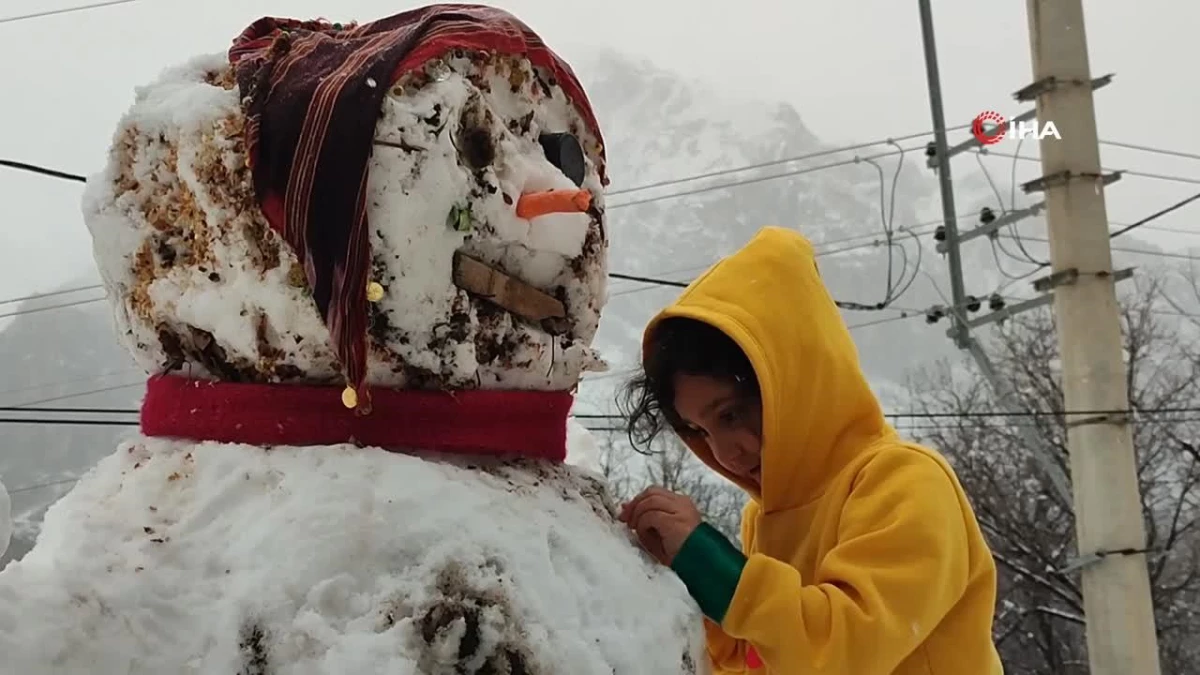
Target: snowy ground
181,558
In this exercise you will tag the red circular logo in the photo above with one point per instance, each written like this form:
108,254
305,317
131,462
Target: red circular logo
985,135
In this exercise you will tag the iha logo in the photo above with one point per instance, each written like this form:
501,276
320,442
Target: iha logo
990,127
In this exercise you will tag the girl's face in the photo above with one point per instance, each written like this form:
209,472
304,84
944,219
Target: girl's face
728,420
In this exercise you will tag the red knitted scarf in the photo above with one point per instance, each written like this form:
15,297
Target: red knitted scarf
529,424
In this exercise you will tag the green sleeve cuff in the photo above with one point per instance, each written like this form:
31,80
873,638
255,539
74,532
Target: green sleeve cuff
711,567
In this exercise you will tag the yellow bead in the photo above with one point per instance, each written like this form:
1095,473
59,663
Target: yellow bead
374,292
349,397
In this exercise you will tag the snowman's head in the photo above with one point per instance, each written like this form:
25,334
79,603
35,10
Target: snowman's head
486,264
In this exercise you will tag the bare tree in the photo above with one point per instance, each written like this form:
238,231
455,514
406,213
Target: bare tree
674,467
1039,623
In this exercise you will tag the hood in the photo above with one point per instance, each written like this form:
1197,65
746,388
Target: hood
819,412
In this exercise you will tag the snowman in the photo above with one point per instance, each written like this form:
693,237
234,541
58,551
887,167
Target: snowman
362,266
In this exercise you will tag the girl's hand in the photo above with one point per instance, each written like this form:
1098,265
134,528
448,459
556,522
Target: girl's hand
662,520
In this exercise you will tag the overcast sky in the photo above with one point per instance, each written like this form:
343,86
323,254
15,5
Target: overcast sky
854,70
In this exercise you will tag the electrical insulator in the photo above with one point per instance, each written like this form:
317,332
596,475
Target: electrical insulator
931,149
995,303
987,215
940,233
973,304
934,315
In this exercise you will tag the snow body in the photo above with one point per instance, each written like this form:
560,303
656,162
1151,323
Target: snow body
174,557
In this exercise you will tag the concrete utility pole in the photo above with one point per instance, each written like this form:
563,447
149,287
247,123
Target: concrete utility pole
960,327
1108,513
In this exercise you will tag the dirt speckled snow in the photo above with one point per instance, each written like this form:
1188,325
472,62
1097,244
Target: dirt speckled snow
209,286
174,557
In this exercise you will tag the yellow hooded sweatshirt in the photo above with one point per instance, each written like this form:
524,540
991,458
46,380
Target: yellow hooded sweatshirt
861,554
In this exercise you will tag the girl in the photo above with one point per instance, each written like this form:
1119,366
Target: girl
860,553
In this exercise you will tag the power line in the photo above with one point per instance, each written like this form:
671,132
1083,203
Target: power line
1151,149
779,162
92,378
648,280
760,179
673,195
658,281
612,429
35,310
890,294
1127,172
875,241
595,429
1012,227
79,394
845,305
912,427
39,486
896,417
988,414
708,188
917,229
64,397
850,305
50,294
887,214
710,174
964,414
1016,236
888,231
1115,249
1039,266
1157,312
922,228
80,411
1157,214
66,10
1128,228
889,297
68,421
33,168
874,236
904,315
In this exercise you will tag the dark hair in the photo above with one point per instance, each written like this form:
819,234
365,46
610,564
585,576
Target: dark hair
679,345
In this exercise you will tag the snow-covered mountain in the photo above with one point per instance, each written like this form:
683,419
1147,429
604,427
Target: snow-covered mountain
663,129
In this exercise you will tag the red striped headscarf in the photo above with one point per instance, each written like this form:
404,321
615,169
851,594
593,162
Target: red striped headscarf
311,114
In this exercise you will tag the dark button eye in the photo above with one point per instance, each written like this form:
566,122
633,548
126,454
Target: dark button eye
565,153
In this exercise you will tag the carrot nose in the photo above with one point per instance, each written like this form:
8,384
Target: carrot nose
535,204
